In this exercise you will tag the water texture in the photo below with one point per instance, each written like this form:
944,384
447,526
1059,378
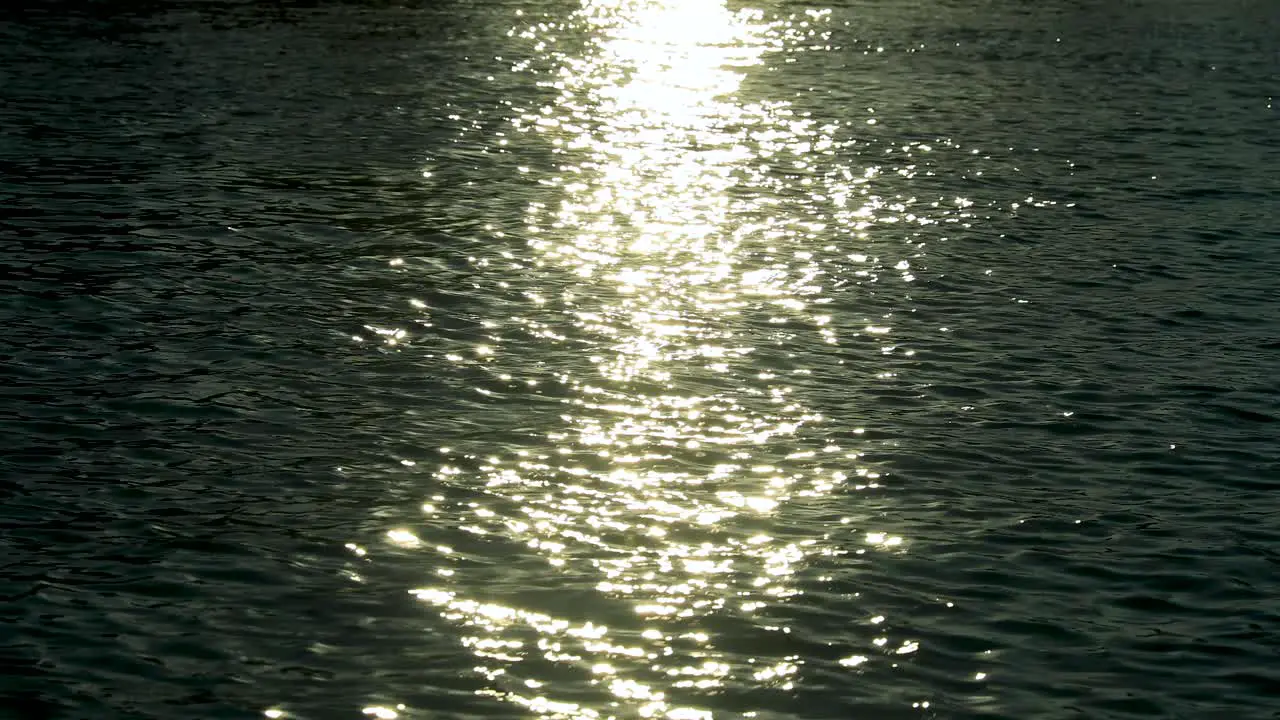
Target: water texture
640,359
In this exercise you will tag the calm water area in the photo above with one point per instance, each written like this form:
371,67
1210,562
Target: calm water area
671,359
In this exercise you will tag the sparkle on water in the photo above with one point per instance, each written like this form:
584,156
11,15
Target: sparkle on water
693,225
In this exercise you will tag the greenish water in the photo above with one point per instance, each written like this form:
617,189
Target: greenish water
639,359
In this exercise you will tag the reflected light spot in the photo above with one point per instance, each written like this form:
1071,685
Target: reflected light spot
879,538
404,538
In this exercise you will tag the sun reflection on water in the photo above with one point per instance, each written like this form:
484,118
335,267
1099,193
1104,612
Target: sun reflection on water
653,511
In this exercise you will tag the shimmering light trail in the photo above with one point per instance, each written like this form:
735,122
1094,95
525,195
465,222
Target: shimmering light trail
695,236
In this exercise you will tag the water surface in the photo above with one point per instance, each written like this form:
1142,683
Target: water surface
587,359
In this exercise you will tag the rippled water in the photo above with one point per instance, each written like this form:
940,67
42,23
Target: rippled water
640,358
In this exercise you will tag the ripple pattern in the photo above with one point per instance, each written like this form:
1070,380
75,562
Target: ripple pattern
639,359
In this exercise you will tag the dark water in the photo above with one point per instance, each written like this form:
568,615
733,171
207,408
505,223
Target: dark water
588,359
